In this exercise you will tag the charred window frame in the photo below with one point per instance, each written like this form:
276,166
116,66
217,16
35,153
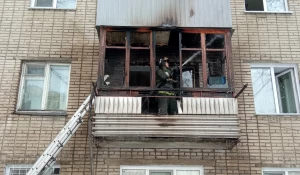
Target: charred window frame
137,58
216,59
203,36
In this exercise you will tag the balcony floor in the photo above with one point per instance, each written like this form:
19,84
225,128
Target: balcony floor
179,126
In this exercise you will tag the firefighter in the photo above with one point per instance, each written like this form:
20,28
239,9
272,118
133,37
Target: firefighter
164,80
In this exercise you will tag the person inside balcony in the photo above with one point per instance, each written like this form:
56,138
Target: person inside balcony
164,80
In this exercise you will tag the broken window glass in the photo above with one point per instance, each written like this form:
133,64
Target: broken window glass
114,74
191,40
140,71
192,69
162,38
216,70
140,39
115,38
215,41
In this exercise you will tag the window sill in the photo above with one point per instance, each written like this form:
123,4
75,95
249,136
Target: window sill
50,8
283,114
271,12
42,113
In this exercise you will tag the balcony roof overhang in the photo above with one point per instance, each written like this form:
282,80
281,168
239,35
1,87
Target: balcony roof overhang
165,13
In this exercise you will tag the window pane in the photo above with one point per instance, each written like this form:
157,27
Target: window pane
35,69
216,70
140,39
160,173
140,72
294,173
276,5
69,4
134,172
23,171
286,93
192,69
254,5
274,173
215,41
188,172
187,78
263,91
58,87
44,3
191,40
32,95
56,170
15,171
114,67
114,38
162,38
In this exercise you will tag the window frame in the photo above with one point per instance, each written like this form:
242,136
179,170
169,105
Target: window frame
46,85
203,32
278,170
165,168
296,84
54,5
286,6
9,166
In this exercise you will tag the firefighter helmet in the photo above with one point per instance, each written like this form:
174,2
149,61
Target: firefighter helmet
163,61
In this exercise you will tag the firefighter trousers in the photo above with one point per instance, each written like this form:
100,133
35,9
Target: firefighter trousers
167,106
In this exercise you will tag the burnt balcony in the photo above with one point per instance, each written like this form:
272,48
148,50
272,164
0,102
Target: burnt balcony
126,107
126,120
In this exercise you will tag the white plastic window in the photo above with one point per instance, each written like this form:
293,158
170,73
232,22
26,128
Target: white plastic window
281,171
23,169
275,88
266,5
44,86
161,170
55,4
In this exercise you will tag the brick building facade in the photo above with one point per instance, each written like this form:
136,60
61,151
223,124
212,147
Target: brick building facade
70,37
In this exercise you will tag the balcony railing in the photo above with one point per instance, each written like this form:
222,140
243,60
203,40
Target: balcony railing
186,106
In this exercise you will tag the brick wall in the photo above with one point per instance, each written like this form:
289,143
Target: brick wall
52,35
47,35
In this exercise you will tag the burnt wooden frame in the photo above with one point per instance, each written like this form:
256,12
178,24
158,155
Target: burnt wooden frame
227,49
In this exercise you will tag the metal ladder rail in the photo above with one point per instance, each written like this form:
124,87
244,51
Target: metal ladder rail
48,158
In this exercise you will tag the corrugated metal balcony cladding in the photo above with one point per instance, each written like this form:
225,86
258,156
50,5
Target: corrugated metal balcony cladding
164,13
